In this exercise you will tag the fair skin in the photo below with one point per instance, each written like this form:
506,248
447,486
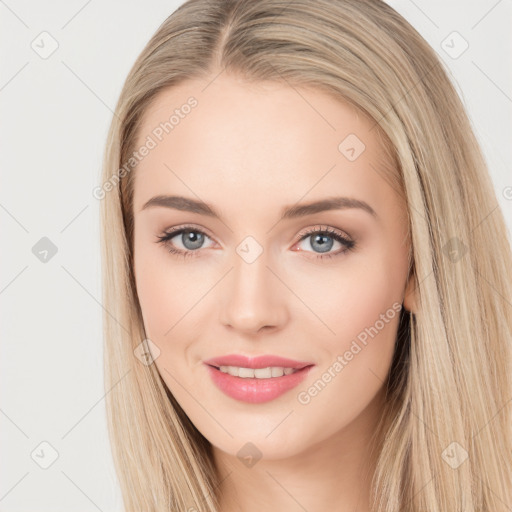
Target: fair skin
250,150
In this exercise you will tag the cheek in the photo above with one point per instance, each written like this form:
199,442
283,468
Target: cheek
367,293
164,291
351,297
361,306
356,360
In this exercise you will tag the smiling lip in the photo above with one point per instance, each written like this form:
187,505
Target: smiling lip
253,390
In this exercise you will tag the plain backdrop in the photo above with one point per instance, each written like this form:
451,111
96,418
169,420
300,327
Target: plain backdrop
55,112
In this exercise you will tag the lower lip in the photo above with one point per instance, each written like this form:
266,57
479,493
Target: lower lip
256,391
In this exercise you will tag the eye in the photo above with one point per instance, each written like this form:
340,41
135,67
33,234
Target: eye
321,240
190,238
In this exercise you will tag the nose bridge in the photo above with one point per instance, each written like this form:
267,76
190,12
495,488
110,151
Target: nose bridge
253,299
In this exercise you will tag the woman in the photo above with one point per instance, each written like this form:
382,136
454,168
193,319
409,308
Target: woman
308,300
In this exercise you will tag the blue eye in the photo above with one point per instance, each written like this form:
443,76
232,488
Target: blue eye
322,240
192,239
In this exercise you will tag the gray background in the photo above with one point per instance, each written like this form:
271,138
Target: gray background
55,112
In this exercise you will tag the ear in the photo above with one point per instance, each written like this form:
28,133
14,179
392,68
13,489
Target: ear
410,301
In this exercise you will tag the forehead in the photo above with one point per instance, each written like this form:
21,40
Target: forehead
228,140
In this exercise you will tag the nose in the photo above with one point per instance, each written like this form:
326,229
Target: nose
253,297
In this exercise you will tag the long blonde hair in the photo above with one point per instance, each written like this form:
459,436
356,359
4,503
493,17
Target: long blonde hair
447,439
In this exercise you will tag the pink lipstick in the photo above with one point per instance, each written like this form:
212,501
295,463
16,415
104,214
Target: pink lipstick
256,380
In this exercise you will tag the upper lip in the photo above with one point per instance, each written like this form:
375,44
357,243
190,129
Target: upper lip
263,361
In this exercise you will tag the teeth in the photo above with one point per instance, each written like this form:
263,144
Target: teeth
258,373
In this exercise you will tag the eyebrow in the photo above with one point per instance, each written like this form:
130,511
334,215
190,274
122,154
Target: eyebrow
288,212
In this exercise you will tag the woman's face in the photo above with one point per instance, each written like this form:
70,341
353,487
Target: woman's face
321,285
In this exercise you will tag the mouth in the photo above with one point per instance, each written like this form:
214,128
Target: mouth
256,385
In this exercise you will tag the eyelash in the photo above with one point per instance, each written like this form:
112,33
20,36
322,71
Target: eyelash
168,235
